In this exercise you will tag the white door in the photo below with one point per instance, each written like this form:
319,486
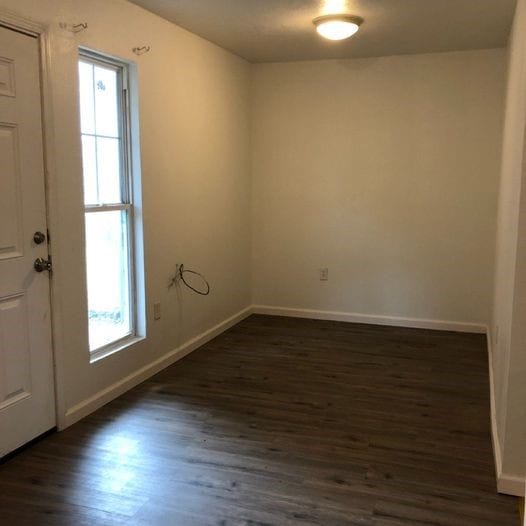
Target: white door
27,404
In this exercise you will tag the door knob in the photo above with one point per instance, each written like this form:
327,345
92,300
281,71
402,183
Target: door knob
39,237
42,264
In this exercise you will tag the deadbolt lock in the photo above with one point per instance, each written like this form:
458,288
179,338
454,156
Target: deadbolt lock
39,237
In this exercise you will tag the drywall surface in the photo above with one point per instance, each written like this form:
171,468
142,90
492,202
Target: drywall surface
509,315
194,123
385,171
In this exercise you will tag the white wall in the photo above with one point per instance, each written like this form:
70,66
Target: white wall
509,314
194,118
385,171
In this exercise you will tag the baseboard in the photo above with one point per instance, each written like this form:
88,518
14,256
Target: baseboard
493,410
508,484
372,319
84,408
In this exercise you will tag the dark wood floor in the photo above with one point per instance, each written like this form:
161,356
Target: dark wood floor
280,422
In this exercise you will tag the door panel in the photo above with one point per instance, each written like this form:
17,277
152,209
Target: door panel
14,350
7,77
10,199
27,404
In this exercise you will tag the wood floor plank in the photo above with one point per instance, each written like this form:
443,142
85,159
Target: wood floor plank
280,422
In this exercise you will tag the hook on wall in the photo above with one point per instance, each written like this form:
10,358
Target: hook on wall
74,28
141,50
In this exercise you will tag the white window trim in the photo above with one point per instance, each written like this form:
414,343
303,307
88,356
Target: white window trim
131,197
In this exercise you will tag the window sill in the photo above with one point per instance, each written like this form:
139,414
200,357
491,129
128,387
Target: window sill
100,354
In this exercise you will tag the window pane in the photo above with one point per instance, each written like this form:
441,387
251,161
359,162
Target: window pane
106,102
109,170
89,167
108,277
87,98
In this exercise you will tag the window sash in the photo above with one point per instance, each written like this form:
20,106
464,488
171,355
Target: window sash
132,333
123,115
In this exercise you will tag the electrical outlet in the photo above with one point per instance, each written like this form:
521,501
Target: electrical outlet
324,274
157,310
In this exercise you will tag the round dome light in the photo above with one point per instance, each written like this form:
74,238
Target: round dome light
337,27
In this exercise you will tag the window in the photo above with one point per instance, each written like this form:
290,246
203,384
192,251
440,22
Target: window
108,202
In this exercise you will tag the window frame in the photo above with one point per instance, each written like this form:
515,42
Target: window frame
127,203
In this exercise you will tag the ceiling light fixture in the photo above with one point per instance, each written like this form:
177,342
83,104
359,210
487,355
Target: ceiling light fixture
337,27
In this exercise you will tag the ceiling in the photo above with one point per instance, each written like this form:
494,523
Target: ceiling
282,30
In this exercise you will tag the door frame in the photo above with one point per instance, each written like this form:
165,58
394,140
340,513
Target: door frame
41,32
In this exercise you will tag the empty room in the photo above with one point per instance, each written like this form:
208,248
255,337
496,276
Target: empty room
262,262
